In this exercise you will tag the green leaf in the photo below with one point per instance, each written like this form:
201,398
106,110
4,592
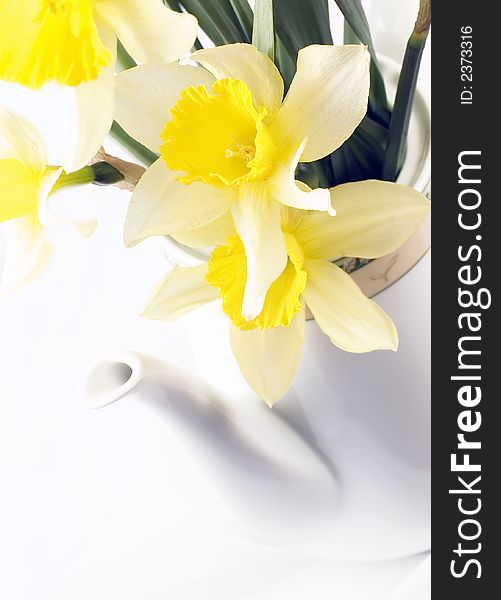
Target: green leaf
406,89
349,34
218,19
357,21
243,12
300,23
174,4
124,59
354,14
284,61
263,33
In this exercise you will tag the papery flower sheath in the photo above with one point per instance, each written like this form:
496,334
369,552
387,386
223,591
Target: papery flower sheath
229,143
74,42
25,182
373,219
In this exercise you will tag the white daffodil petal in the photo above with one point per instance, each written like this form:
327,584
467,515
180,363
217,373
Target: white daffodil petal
20,141
327,99
94,107
352,321
268,359
373,219
212,234
257,222
85,228
246,63
286,190
182,290
161,205
27,253
149,31
146,94
18,190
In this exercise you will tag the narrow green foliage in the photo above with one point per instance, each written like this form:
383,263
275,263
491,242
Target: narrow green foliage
124,59
263,32
300,23
244,15
218,19
404,99
359,31
140,152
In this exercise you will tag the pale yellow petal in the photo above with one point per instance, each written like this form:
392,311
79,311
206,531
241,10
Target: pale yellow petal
18,189
27,253
182,290
286,190
149,31
246,63
258,223
146,94
207,236
268,359
45,41
94,107
352,321
161,205
326,101
19,140
373,219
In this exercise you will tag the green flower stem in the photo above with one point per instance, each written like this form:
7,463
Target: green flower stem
100,173
422,26
80,177
140,152
402,109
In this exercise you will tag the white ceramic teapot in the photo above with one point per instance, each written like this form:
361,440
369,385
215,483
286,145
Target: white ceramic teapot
340,465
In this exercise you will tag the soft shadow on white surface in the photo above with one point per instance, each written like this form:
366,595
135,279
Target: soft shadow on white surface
106,505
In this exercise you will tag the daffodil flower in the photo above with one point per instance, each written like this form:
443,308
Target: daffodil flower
229,142
73,43
373,219
25,182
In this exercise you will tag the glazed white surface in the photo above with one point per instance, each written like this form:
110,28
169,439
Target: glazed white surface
105,505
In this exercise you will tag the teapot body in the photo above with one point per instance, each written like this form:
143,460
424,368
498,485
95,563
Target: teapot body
341,464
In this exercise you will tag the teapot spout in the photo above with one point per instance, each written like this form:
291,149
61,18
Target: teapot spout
280,485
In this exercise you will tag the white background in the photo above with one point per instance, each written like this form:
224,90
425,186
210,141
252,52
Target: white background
105,505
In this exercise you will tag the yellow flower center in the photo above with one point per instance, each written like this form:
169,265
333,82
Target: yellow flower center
228,272
50,40
219,138
19,186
